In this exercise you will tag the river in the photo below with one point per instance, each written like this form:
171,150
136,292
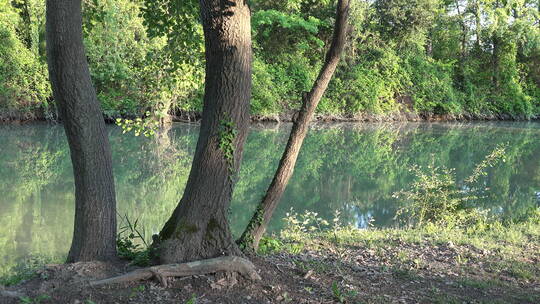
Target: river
350,168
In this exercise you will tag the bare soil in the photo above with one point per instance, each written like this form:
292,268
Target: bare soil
397,273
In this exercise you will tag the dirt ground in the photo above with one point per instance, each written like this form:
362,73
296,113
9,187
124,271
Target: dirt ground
407,273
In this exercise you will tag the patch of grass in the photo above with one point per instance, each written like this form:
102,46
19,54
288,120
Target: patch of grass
498,237
314,265
527,298
192,300
516,269
36,300
136,290
440,296
340,295
131,243
443,298
17,277
479,284
26,270
403,273
269,245
483,258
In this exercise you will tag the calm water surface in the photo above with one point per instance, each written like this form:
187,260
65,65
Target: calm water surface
350,168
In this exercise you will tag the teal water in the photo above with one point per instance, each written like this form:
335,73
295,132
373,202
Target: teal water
350,168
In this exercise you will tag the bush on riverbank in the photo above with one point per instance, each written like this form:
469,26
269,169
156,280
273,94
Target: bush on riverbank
141,62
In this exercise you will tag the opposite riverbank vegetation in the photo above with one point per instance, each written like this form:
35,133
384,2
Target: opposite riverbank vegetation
404,60
195,117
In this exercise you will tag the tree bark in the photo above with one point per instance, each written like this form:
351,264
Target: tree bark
199,228
162,272
478,23
463,42
94,236
258,223
495,60
463,46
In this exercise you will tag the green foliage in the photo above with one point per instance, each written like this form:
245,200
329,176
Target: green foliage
136,290
426,56
133,67
24,270
147,126
192,300
406,20
265,95
36,300
268,245
336,291
371,85
340,295
277,33
24,86
432,86
436,197
131,244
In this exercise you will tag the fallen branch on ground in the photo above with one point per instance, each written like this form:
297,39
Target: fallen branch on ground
162,272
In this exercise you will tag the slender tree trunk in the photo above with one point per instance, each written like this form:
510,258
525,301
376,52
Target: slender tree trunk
520,55
199,228
429,44
258,223
495,61
463,44
94,236
478,24
26,22
463,47
495,56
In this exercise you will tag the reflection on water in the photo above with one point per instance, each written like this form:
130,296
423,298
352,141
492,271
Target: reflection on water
350,168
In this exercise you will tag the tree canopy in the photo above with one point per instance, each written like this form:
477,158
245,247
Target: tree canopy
433,56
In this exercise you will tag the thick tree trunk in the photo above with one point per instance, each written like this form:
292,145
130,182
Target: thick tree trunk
199,228
94,236
258,223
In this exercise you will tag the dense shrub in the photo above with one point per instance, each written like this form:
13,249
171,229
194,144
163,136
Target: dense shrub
24,85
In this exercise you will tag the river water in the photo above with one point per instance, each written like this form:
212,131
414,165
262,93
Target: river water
350,168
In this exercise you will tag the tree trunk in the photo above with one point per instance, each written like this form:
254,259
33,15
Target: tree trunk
463,47
26,25
478,25
258,223
495,58
495,55
199,228
463,42
94,236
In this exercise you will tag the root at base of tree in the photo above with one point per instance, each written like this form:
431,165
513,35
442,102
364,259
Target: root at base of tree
162,272
9,294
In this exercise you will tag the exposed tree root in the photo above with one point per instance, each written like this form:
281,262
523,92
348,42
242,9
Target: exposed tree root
162,272
9,294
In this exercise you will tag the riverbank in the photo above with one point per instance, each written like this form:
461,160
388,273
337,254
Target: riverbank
499,263
195,117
